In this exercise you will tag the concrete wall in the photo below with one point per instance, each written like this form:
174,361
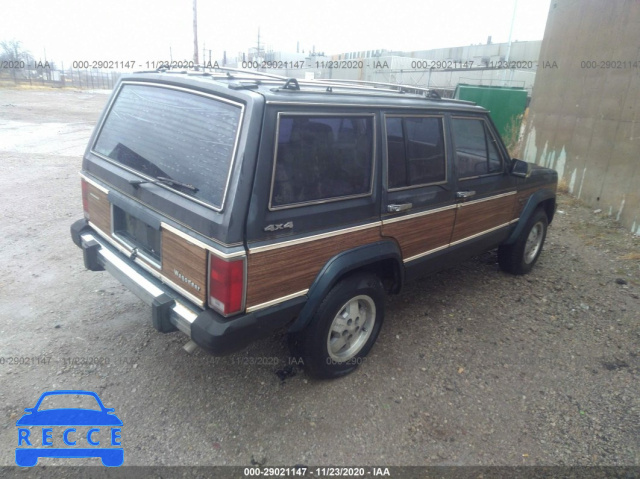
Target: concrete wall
401,71
396,67
521,51
585,122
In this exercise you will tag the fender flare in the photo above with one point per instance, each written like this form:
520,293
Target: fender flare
532,205
342,264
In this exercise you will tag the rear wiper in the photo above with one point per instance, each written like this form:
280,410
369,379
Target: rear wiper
164,181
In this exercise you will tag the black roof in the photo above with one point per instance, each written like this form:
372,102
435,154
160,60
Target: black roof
278,89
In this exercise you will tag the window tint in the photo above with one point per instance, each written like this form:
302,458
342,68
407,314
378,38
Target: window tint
415,151
476,152
322,157
174,134
495,164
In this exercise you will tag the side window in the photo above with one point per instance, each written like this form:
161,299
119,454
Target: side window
322,158
476,152
495,163
415,151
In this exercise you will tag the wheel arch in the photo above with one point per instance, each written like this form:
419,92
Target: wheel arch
545,198
382,258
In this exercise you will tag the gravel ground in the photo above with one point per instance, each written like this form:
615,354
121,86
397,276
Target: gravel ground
472,367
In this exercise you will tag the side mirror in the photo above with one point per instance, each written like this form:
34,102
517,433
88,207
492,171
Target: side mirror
519,168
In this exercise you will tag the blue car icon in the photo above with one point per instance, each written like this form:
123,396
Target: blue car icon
105,417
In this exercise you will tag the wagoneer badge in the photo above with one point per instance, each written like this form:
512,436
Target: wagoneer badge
184,279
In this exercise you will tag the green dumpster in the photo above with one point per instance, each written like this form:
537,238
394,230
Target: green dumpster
506,104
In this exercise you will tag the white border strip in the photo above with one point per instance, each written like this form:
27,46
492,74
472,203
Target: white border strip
277,300
284,244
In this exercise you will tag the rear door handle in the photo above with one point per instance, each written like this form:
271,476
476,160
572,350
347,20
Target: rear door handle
465,194
398,208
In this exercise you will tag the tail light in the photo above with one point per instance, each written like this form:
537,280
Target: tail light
226,285
85,197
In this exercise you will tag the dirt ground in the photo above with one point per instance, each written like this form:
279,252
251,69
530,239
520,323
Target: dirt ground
472,367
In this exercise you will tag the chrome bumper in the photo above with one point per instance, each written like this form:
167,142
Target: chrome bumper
142,284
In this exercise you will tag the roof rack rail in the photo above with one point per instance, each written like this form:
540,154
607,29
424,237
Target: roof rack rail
397,86
359,84
329,86
292,84
210,70
250,72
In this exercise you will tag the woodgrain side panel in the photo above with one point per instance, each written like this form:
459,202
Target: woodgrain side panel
521,200
189,260
99,208
421,234
482,216
279,272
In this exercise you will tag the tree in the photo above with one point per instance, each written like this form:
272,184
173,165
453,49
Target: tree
15,56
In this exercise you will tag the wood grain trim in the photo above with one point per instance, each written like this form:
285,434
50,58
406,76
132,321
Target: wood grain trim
184,264
521,200
482,216
423,233
99,208
388,221
190,239
308,239
126,250
91,182
482,200
277,273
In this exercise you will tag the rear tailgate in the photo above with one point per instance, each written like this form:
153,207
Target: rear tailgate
163,250
152,130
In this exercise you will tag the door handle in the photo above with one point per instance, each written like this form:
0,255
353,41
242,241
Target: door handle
398,208
465,194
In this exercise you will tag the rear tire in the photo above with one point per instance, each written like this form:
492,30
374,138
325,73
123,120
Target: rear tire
519,257
344,329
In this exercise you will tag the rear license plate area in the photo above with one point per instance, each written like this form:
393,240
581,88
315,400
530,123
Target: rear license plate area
138,235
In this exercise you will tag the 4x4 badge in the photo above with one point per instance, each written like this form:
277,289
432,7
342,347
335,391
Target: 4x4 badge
281,226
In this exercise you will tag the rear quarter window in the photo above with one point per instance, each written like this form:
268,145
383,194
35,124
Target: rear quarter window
158,131
322,158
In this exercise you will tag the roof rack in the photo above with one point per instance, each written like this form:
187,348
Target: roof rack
291,84
397,86
355,84
249,72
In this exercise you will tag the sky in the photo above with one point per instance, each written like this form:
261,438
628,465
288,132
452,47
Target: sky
122,30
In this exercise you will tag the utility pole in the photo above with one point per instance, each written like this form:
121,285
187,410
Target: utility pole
259,56
258,52
513,20
195,32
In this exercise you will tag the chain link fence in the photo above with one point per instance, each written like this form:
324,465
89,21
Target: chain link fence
84,79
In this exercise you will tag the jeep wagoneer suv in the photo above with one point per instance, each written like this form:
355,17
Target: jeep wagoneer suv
237,203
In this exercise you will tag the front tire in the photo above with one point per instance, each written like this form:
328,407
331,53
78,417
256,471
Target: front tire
519,257
344,329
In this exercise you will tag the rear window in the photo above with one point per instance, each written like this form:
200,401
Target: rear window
175,134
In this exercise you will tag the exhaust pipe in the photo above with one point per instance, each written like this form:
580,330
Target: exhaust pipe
190,347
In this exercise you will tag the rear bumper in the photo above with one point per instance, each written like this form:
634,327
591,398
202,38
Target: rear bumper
170,311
